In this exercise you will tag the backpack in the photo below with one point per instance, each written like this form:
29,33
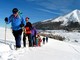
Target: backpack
28,31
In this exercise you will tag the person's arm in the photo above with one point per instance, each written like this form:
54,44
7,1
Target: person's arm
23,22
35,31
9,19
30,25
25,30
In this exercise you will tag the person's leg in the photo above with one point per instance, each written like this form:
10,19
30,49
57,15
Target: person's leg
17,35
18,41
47,40
30,40
37,42
18,38
33,40
24,40
30,36
43,40
40,43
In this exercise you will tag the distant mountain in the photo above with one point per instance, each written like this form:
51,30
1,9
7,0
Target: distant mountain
70,20
74,16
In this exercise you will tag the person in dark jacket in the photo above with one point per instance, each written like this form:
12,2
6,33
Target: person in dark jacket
46,39
27,33
17,23
43,39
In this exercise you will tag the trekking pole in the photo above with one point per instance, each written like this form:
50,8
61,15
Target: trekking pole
5,32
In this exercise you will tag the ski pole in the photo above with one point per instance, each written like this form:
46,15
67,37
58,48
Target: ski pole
5,32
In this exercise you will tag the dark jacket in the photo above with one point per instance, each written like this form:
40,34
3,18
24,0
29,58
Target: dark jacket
28,28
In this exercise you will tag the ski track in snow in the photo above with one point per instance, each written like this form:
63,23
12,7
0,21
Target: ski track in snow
53,50
43,50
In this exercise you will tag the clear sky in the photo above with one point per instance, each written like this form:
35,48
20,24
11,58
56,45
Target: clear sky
37,10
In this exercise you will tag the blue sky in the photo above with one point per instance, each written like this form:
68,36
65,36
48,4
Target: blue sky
38,10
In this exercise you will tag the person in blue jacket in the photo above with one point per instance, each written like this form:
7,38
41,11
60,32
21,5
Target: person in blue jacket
17,22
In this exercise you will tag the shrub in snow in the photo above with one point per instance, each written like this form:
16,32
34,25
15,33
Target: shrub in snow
79,31
76,41
58,37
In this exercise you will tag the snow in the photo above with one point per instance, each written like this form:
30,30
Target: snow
72,16
58,19
69,36
53,50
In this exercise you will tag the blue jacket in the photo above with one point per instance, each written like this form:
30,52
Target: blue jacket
15,22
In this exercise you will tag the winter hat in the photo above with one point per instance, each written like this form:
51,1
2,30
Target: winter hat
27,17
15,10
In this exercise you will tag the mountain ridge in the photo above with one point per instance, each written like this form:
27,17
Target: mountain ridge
70,20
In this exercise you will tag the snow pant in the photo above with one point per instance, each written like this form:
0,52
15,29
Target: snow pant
36,42
24,39
29,40
46,39
34,39
17,35
39,42
43,40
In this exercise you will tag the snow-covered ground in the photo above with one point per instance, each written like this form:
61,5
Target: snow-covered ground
72,37
53,50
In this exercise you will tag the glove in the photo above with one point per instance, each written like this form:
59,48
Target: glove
6,19
21,25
